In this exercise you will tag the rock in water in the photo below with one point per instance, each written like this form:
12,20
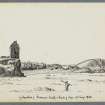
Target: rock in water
12,68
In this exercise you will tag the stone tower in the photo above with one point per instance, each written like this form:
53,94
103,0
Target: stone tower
14,50
14,53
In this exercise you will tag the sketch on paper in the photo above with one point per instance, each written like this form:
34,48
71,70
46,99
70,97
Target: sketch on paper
41,81
35,80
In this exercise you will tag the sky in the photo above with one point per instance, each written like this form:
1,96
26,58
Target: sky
54,33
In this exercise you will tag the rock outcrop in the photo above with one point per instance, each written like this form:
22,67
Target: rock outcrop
10,67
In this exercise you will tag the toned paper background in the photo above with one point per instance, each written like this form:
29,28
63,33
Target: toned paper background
54,33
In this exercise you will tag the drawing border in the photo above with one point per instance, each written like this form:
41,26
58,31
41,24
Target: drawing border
55,1
52,103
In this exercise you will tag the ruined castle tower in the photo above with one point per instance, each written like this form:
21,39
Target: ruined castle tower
14,50
14,53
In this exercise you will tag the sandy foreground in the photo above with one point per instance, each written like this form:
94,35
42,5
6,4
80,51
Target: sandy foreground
47,86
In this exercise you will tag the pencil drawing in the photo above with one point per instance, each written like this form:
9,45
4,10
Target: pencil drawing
38,78
52,52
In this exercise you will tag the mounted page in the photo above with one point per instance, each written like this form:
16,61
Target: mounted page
52,52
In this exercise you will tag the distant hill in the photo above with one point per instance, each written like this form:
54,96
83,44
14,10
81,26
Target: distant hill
86,66
91,66
96,63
